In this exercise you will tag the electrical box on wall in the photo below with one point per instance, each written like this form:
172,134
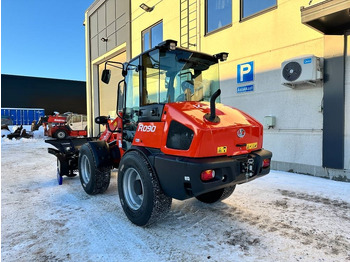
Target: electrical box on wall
302,70
269,122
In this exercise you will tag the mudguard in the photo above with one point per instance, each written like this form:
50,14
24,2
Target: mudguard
101,152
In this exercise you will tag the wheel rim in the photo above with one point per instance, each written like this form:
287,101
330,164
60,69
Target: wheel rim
61,134
85,169
133,188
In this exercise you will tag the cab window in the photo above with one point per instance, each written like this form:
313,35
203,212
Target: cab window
132,89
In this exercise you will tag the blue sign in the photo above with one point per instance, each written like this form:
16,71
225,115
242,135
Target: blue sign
244,89
307,61
245,72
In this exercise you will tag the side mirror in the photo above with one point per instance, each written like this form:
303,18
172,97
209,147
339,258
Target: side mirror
101,120
106,76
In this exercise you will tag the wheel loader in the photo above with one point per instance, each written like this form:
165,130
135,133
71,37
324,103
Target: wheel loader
171,138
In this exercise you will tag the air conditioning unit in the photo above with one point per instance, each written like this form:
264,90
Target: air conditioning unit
302,70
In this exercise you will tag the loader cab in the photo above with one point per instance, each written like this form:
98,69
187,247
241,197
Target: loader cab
177,75
164,74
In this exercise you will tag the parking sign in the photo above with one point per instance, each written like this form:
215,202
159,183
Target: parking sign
245,72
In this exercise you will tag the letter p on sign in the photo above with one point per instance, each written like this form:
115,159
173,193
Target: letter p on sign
245,72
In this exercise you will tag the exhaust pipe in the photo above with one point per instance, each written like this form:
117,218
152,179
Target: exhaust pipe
212,117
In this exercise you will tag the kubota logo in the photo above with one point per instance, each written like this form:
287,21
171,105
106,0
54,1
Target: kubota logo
146,128
241,133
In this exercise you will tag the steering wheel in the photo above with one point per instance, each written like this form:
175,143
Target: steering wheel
187,86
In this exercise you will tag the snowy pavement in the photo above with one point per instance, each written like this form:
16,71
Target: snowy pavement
280,217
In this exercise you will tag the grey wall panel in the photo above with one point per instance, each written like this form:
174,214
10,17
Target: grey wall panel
121,20
121,35
94,47
121,7
108,21
110,11
334,113
101,18
111,43
102,46
111,29
93,25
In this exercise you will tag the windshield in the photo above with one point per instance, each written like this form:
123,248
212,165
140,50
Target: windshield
177,76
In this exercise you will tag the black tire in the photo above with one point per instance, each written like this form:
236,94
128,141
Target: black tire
217,195
95,180
60,134
140,194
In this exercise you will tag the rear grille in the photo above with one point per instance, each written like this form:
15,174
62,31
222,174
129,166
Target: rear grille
179,136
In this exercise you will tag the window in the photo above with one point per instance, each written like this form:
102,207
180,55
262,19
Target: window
132,92
152,36
218,14
251,7
152,76
175,76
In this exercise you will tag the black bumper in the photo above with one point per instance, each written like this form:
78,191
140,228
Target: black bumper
179,177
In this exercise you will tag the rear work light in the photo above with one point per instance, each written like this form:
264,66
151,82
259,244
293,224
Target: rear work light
266,162
207,175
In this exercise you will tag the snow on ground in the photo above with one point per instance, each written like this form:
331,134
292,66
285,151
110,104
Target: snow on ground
280,217
11,129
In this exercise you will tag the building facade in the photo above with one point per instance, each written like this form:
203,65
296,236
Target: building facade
307,125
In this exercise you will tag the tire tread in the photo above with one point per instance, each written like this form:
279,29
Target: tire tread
161,202
102,175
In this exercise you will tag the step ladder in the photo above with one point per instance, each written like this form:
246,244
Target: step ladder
188,24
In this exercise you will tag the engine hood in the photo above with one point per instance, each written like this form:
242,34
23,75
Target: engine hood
229,116
236,133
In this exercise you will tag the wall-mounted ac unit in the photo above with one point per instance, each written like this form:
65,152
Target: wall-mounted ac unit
302,70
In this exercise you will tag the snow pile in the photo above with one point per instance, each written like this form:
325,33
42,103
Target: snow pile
37,134
4,133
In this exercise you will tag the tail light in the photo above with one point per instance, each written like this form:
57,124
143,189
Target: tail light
266,162
207,175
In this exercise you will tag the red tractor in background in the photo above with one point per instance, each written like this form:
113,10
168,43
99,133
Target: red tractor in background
74,126
61,126
170,139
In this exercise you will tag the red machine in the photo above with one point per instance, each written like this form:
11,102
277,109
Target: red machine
66,125
170,139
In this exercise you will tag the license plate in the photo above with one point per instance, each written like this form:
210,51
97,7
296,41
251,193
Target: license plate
252,145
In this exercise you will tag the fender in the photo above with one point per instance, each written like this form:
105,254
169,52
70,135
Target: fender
149,154
101,152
